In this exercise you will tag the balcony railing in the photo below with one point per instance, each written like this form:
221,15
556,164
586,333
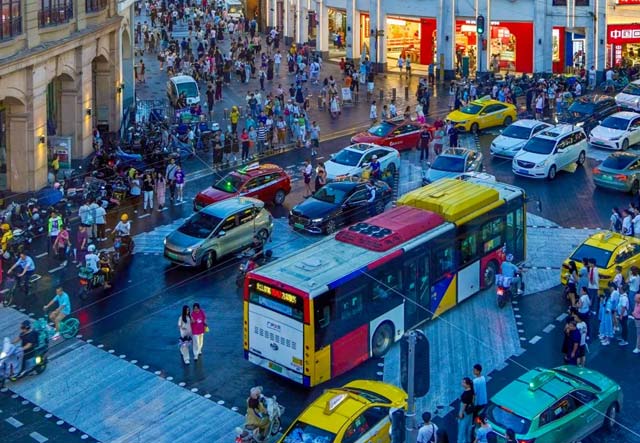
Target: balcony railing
96,5
10,27
55,15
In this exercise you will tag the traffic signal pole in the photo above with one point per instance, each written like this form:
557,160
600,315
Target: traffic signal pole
411,426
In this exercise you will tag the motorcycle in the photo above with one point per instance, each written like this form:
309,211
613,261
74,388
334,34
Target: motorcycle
250,259
503,290
11,359
123,246
250,434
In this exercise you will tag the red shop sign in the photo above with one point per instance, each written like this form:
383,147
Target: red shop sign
629,2
621,34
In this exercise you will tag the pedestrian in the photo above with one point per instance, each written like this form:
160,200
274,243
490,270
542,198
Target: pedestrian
321,176
100,218
584,308
184,326
636,317
373,112
581,326
627,225
623,315
141,71
425,141
314,134
371,197
571,289
407,64
452,95
452,132
180,183
539,106
480,389
428,432
54,226
465,411
198,328
483,431
82,242
511,436
615,220
85,213
135,189
147,189
307,171
606,333
62,245
572,342
161,188
170,175
92,217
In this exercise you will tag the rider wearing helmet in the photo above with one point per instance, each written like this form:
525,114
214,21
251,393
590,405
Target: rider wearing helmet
123,228
375,168
7,234
513,272
92,262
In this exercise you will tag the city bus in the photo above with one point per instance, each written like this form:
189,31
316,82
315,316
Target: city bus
324,309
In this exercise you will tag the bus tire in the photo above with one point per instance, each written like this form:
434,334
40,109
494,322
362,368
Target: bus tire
489,277
382,339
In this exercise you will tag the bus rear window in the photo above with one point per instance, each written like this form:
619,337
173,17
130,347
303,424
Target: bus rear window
280,301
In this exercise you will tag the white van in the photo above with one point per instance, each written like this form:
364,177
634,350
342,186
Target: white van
550,151
183,83
235,9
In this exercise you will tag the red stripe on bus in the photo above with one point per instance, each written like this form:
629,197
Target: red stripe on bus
385,259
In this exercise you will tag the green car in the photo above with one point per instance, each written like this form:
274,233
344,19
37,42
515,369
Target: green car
563,404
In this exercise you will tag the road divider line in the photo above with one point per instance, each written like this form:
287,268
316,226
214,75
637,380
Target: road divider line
42,255
38,437
549,328
14,422
535,339
562,316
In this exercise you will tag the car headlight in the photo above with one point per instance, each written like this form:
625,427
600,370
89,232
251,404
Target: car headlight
615,138
463,122
580,124
317,220
164,242
493,145
542,163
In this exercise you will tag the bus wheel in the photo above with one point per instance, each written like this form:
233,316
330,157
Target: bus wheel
382,339
490,274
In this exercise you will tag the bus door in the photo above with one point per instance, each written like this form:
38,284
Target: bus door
515,234
469,260
417,306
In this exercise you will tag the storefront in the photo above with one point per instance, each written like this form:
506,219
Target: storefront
511,46
568,52
466,47
406,36
623,44
337,28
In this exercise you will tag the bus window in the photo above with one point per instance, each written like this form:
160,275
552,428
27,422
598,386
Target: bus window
443,261
386,290
350,305
468,248
416,288
493,234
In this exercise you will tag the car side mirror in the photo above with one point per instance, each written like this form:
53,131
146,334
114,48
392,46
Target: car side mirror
222,233
428,164
599,122
331,156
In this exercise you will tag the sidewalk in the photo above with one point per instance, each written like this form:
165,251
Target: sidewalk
113,400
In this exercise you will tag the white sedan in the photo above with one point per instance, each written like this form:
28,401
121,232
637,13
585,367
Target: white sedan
618,131
514,136
354,159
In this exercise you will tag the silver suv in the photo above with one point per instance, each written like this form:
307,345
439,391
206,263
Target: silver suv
218,230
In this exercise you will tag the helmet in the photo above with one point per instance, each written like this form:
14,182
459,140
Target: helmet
56,185
5,226
91,248
124,217
26,324
509,257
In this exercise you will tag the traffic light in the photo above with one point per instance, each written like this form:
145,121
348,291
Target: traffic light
480,24
422,366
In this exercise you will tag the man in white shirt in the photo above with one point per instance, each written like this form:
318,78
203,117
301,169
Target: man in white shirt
428,432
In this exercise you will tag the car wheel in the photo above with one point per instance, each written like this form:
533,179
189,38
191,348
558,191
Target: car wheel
635,187
379,207
507,120
278,199
489,277
209,260
625,145
391,169
263,234
610,417
581,158
475,128
382,339
330,227
552,172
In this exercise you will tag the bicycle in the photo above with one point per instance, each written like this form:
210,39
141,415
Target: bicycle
68,327
11,283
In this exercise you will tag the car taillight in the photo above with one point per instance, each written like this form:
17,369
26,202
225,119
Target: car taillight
596,170
529,440
620,177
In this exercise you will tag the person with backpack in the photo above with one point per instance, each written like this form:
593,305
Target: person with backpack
615,221
428,432
627,225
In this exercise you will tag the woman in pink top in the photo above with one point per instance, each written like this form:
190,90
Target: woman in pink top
198,327
636,316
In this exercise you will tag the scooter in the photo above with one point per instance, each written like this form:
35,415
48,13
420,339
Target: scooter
250,434
251,260
503,290
12,363
122,248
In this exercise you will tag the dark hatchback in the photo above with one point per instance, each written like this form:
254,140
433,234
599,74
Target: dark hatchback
337,204
588,111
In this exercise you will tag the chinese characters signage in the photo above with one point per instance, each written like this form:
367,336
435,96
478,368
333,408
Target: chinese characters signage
621,34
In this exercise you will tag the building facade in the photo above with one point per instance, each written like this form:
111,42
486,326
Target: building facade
63,72
623,32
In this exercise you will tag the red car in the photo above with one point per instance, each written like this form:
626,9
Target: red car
268,182
397,133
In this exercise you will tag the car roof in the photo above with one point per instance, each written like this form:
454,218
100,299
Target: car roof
487,100
182,79
362,147
528,123
627,115
593,98
230,206
256,170
346,185
631,155
609,240
533,392
456,152
558,131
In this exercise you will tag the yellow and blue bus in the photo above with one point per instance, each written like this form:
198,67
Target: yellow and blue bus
324,309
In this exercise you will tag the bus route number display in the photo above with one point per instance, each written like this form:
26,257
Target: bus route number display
276,293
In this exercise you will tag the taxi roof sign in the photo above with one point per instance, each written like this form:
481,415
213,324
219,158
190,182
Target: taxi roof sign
334,402
541,379
250,167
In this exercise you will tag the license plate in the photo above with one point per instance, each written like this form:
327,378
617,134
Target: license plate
606,177
275,367
523,171
172,255
298,225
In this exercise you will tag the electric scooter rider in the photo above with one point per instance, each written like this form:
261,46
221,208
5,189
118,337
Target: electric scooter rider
28,339
92,261
513,272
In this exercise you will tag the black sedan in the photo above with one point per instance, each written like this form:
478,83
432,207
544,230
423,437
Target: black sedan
587,111
338,204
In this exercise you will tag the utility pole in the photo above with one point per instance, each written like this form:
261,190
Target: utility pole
414,376
412,430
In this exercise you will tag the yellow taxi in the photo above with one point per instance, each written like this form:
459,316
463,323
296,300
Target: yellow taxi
483,113
609,249
356,413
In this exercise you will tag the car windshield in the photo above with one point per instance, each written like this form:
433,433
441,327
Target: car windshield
618,162
200,225
581,108
602,256
302,432
447,163
330,194
506,419
539,145
515,131
615,123
229,183
347,157
632,89
381,129
471,109
189,88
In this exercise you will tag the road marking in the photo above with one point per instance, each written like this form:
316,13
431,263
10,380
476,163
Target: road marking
51,271
42,255
549,328
144,215
535,339
13,422
38,437
562,316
